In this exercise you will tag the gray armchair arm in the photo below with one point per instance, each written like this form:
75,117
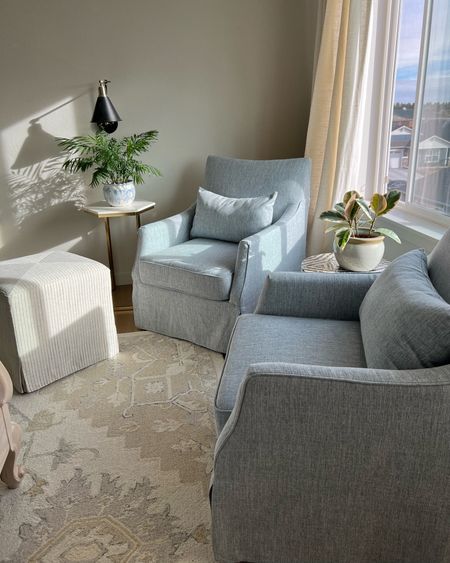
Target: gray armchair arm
165,233
337,463
279,377
314,295
285,377
278,247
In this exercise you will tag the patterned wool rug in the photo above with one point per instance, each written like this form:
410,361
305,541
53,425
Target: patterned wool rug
118,460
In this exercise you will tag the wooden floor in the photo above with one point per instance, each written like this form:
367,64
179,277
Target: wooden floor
123,310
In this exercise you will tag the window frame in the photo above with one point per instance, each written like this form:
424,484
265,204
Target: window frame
389,66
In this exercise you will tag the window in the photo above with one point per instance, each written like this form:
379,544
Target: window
432,156
419,145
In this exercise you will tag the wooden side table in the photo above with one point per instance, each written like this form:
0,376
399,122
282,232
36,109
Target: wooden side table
105,212
327,263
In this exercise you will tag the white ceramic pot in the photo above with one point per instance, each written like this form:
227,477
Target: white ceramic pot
360,254
119,195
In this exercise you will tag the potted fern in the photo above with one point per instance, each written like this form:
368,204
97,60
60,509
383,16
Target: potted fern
358,242
113,160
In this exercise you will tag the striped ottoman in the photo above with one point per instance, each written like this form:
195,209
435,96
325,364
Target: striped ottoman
56,317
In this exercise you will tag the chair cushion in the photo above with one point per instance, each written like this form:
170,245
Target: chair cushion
230,218
267,338
405,323
201,267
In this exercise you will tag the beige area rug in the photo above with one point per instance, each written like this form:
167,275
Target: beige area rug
118,459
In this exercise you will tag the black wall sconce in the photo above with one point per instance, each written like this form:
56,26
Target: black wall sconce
105,114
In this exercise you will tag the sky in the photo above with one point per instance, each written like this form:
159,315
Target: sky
437,85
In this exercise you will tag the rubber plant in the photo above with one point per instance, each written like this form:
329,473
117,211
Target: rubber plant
355,217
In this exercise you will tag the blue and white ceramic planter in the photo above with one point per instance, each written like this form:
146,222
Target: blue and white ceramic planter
119,195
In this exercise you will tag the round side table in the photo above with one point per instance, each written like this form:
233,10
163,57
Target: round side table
327,263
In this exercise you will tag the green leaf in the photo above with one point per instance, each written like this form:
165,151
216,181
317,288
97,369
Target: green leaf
348,195
378,204
389,233
336,227
340,208
343,237
364,206
351,209
332,216
392,199
154,171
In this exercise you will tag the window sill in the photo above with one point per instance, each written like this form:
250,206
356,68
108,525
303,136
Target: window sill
415,228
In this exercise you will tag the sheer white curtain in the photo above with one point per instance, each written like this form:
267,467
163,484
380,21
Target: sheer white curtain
338,119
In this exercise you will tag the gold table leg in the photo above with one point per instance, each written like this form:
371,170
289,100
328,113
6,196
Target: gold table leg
110,254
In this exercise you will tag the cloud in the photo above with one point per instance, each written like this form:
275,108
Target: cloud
437,80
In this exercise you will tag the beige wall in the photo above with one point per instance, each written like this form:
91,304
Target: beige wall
228,77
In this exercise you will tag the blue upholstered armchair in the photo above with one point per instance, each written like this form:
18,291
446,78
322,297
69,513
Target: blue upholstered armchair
194,288
321,457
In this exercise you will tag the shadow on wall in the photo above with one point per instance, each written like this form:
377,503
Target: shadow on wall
39,183
40,208
40,204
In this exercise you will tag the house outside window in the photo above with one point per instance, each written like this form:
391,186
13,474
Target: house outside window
419,144
434,151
